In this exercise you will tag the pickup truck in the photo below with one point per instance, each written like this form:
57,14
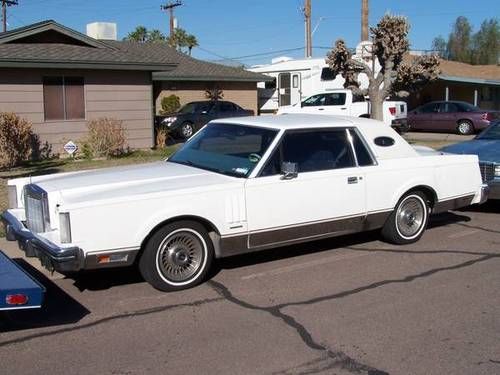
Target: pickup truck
345,103
193,116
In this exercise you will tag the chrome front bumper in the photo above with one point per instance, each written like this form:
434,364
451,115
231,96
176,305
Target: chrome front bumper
494,186
485,193
53,257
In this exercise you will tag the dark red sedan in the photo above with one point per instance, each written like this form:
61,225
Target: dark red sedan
451,116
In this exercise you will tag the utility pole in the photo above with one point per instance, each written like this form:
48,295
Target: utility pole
170,8
5,4
307,24
364,20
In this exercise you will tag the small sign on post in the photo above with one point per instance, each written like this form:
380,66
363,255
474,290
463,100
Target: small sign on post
70,148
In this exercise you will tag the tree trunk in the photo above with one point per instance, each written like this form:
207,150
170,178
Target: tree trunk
377,105
364,20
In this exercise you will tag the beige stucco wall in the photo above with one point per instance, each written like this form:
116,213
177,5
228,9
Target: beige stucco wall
123,95
242,93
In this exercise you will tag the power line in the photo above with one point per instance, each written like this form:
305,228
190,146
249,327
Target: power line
170,8
5,4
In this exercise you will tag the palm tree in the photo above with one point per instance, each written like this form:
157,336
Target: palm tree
155,36
140,34
191,42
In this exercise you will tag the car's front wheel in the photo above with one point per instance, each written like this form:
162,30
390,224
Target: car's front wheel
408,221
177,256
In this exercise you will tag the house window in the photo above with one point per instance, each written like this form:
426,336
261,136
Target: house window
63,98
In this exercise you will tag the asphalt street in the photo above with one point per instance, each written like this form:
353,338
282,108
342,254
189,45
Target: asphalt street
349,305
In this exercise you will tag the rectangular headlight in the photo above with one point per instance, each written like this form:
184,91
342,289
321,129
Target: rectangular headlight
65,227
497,170
12,194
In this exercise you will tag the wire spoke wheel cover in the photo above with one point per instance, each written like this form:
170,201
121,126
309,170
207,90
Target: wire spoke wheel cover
181,256
411,216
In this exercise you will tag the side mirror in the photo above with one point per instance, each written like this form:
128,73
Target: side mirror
289,170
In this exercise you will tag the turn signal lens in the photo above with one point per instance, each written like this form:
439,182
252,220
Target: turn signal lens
16,299
65,227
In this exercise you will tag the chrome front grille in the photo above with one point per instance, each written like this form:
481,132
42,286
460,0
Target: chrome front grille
487,171
37,208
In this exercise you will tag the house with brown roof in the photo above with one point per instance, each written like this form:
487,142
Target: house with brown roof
58,79
476,84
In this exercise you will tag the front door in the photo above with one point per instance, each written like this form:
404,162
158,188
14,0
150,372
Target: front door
327,196
284,89
296,91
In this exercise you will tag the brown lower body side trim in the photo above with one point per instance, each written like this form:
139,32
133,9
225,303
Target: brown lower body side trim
255,241
452,204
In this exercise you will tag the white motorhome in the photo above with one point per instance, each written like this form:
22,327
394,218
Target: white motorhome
296,80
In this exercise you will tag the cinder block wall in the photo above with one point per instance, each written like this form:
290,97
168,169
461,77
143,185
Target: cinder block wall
242,93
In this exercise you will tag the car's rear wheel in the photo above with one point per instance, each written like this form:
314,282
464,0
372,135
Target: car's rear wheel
465,127
408,221
177,256
187,130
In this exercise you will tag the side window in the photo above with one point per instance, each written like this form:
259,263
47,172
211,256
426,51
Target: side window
362,154
335,99
315,150
273,165
226,107
357,98
327,74
313,101
429,108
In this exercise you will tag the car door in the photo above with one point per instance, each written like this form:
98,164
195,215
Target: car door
205,112
421,118
326,196
446,117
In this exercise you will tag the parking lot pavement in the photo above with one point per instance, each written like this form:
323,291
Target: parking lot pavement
351,305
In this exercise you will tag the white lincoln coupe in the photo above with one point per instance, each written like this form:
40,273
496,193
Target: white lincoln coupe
239,185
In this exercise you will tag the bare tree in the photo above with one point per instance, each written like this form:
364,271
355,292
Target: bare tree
396,77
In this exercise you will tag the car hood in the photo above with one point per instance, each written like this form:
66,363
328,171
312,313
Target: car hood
130,181
485,149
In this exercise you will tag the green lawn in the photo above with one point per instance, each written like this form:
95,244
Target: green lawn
66,165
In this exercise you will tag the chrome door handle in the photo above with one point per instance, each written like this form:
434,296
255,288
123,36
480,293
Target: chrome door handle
352,180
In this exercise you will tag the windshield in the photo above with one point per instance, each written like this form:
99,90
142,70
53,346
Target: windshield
491,132
194,108
233,150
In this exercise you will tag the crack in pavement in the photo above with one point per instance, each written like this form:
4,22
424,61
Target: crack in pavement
126,315
340,359
378,284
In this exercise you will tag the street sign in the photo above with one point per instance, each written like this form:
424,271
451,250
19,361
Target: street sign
70,147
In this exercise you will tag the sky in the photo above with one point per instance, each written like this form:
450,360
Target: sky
255,31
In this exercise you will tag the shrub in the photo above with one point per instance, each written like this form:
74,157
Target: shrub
16,140
105,138
162,136
170,104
